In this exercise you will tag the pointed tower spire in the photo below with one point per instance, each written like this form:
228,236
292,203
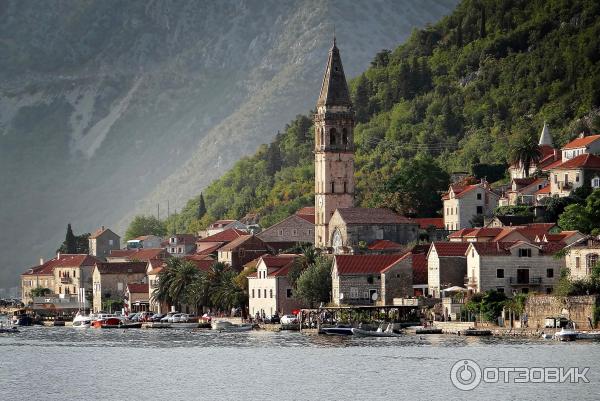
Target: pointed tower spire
545,137
334,89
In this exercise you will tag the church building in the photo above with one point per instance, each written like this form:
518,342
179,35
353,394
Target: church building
334,174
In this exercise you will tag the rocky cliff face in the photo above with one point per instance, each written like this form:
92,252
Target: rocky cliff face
108,108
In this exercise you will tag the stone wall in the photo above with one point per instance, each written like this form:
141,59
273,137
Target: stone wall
578,309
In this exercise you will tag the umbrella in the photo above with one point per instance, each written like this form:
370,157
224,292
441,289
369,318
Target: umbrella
455,289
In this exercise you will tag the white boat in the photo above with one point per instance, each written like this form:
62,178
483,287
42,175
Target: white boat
588,335
566,335
224,325
82,321
388,332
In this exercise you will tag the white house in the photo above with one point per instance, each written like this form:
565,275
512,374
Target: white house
464,202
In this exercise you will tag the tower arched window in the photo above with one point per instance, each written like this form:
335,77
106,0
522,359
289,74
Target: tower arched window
345,137
322,134
332,187
345,187
332,136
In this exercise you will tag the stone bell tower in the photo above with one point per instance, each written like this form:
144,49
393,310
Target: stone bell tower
334,148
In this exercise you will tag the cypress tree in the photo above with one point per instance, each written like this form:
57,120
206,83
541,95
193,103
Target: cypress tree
70,240
201,207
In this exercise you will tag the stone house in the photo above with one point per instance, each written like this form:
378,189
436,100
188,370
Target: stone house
298,228
222,225
153,268
137,298
371,279
446,266
37,276
102,242
432,228
523,191
72,273
145,241
513,266
463,203
582,256
110,280
581,146
269,289
242,250
351,227
179,245
579,171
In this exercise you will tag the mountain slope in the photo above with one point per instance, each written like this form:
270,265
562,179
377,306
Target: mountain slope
452,98
103,102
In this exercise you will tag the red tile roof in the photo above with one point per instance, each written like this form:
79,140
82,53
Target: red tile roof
308,217
461,233
581,142
544,190
384,244
98,232
585,160
446,249
359,215
212,249
137,288
419,266
307,210
484,232
426,222
278,261
121,267
493,248
143,254
202,264
256,244
365,264
224,236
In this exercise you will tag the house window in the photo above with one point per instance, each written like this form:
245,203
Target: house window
576,177
119,286
577,262
549,290
110,242
591,260
265,292
288,292
271,293
294,233
353,293
500,289
281,233
479,209
258,293
500,273
253,293
556,178
566,178
478,196
549,273
596,182
524,252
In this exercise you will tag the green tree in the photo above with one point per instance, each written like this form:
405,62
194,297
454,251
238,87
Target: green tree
81,244
201,207
40,292
308,258
145,225
314,284
70,241
184,273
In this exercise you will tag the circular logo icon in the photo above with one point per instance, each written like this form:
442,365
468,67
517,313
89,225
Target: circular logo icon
465,374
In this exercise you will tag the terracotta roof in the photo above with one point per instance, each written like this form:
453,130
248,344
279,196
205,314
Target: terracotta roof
419,267
198,257
383,244
308,217
241,240
202,264
552,165
550,248
212,249
365,264
461,233
544,190
121,267
306,210
98,232
558,237
450,248
224,236
492,248
137,288
143,254
359,215
278,261
581,142
426,222
585,160
484,232
546,150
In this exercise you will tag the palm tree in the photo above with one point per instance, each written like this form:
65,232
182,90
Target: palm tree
198,292
184,274
525,151
162,293
227,294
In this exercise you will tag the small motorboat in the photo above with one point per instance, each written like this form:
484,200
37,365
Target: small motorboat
121,325
81,321
428,330
227,326
388,332
337,331
476,332
5,327
566,335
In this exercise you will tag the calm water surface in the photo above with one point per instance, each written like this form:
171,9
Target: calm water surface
63,363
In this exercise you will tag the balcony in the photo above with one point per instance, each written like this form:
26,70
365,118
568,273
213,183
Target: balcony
470,281
525,280
65,280
564,185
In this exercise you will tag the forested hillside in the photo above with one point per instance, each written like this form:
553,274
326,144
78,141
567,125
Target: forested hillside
452,98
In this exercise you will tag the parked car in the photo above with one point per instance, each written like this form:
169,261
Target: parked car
156,317
134,318
146,316
168,317
289,319
179,318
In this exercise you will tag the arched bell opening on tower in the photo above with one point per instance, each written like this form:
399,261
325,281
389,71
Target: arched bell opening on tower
332,137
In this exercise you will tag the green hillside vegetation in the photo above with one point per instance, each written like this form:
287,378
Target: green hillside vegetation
452,98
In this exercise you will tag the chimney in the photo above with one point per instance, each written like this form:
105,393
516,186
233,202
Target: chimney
41,261
58,255
582,134
102,228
